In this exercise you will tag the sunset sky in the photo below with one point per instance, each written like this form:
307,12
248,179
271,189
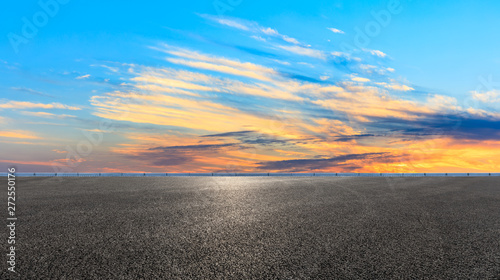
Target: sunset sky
250,86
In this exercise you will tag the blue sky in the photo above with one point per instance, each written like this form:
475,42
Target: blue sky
441,45
438,56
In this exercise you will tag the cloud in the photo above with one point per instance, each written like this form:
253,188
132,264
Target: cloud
377,53
268,31
174,111
18,134
47,115
83,77
395,86
170,83
492,96
218,64
262,100
251,26
231,23
31,105
290,40
361,103
346,138
222,111
193,147
400,87
343,55
181,156
30,91
304,51
112,69
359,79
258,38
272,32
335,30
368,68
317,164
372,69
441,126
167,80
219,68
251,137
230,134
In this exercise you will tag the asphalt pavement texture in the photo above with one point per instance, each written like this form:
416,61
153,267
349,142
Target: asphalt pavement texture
256,228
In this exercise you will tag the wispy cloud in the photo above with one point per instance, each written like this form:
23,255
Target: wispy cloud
18,134
47,115
251,26
110,68
395,86
83,77
32,105
297,165
218,64
335,30
30,91
228,22
377,53
304,51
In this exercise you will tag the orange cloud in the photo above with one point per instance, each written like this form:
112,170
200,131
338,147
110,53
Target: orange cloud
18,134
334,132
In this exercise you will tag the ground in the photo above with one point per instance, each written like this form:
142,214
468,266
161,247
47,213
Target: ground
257,228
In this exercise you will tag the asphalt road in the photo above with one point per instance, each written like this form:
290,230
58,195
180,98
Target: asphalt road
257,228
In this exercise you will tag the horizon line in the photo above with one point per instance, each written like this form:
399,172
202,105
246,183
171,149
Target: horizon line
247,174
